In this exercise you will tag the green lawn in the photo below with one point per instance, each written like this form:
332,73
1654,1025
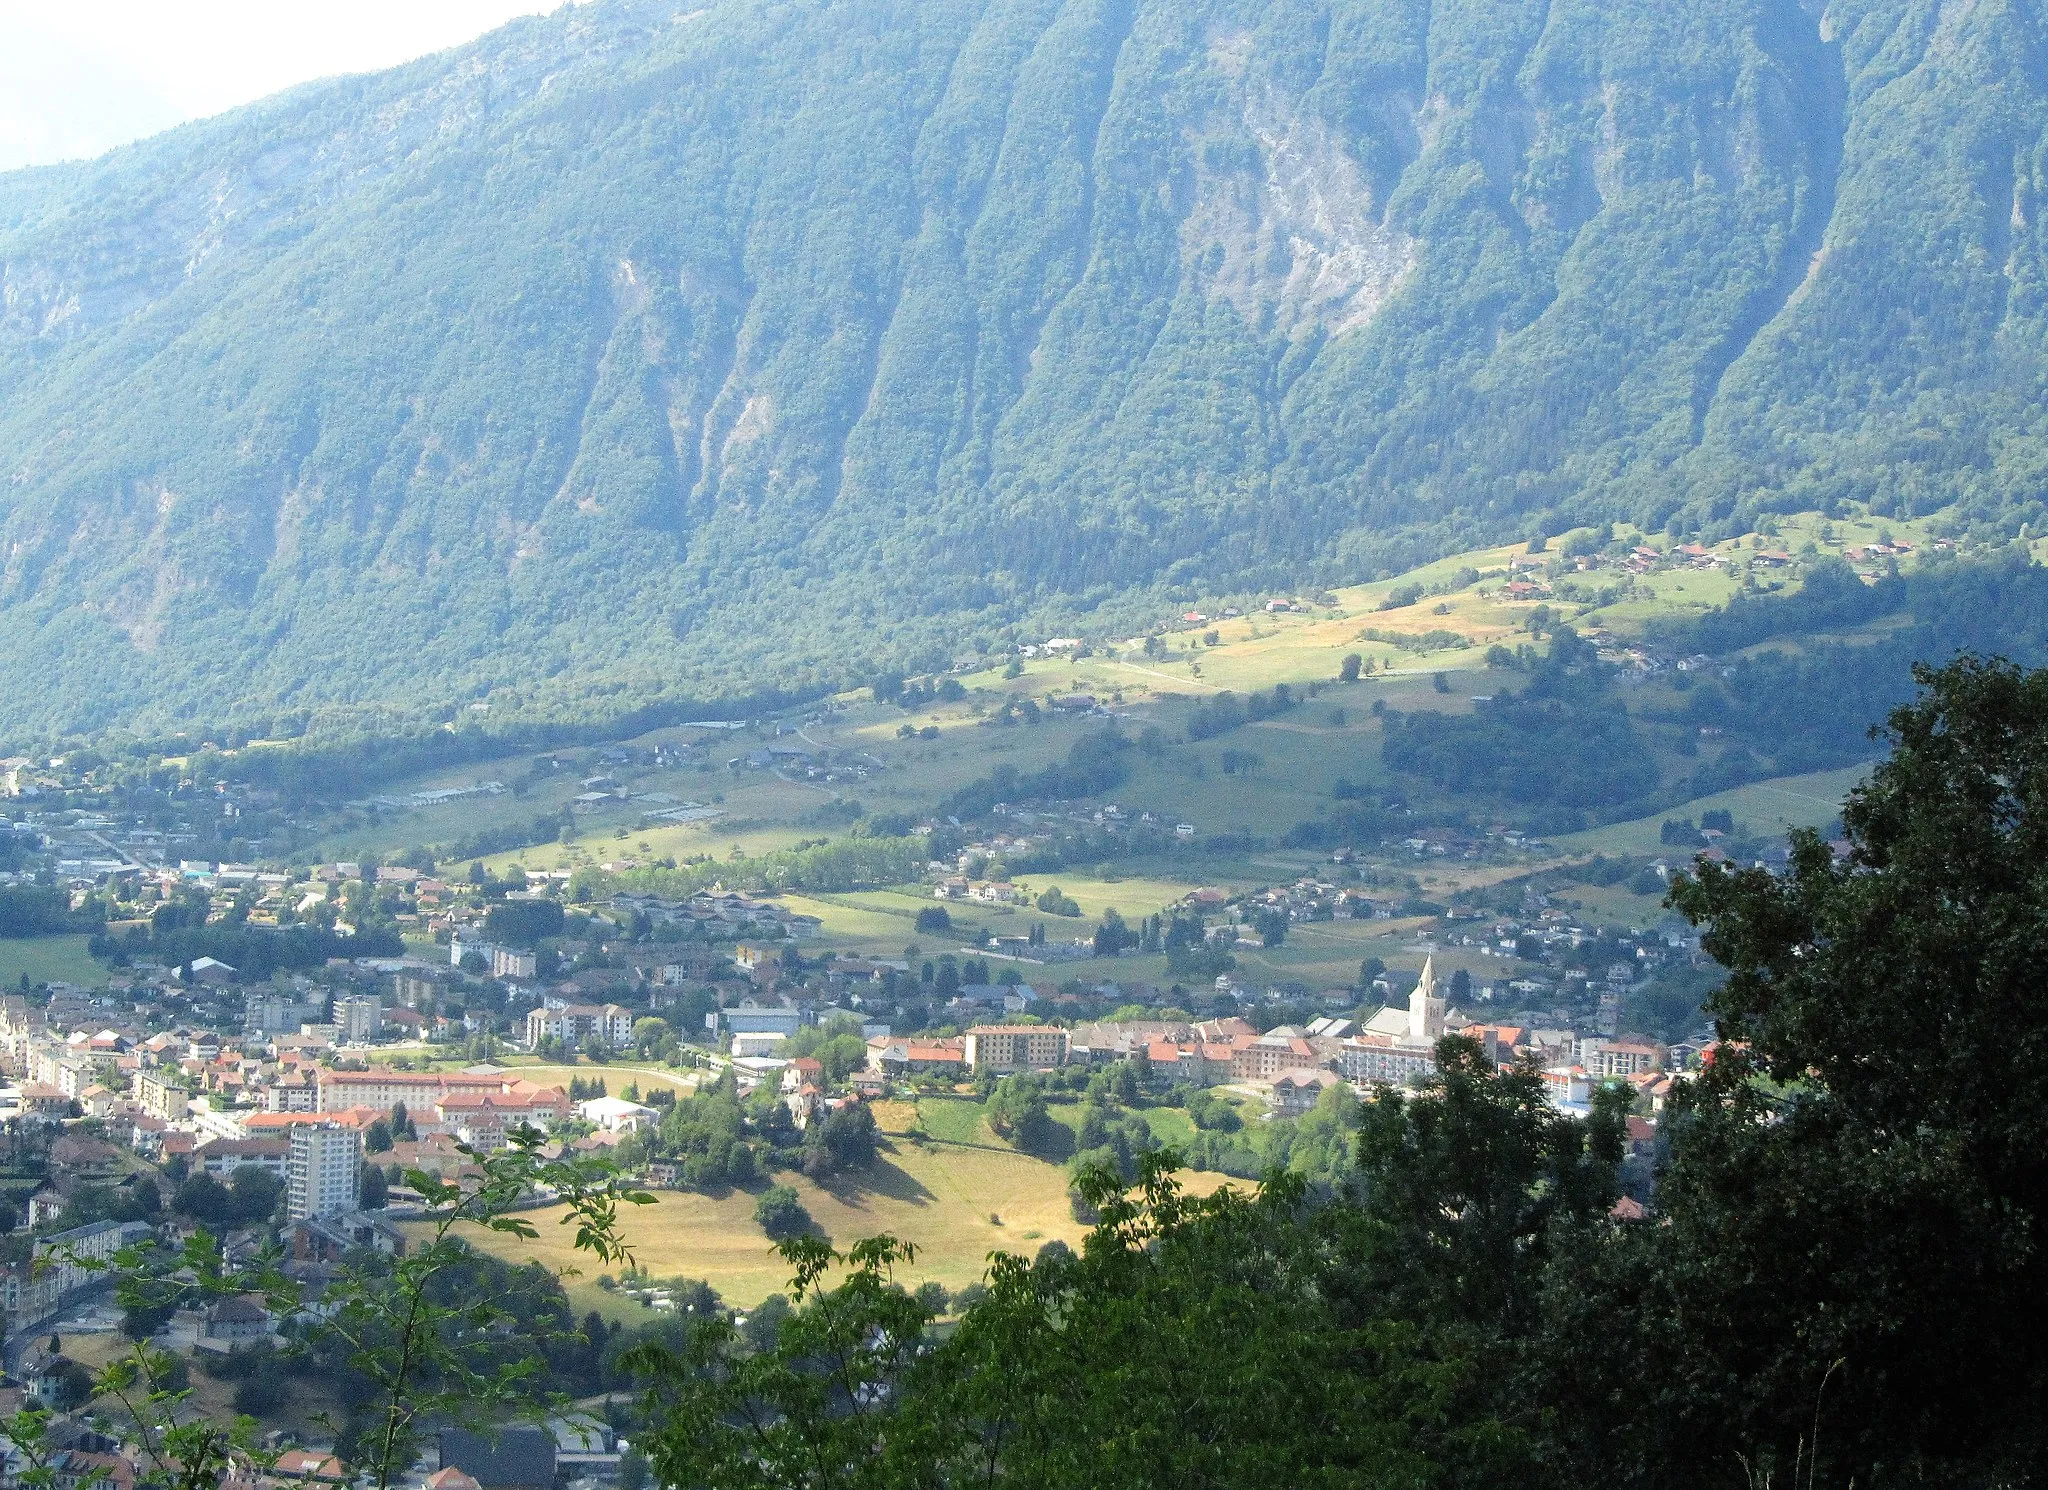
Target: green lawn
48,959
1765,807
955,1204
1168,1124
954,1119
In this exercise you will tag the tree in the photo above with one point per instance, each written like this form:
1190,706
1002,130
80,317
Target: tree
423,1356
1017,1111
632,1470
848,1135
1850,1178
1112,937
205,1199
1076,1370
1271,924
764,1323
253,1194
781,1214
521,923
649,1032
1347,671
1056,902
377,1137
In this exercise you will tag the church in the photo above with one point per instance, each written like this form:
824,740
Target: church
1398,1046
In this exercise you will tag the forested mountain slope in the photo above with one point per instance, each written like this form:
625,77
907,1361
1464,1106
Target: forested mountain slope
641,351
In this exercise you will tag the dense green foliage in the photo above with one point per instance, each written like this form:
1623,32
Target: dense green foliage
521,923
623,358
1095,763
780,1213
1814,707
32,910
253,951
1564,741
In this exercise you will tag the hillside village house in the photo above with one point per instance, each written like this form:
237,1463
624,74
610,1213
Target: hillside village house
617,1115
1278,1050
383,1089
891,1055
755,1019
476,1107
221,1157
482,1119
1295,1093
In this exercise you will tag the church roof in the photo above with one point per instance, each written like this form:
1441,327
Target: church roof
1389,1021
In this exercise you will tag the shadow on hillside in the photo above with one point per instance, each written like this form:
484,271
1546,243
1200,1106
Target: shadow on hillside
1051,1140
853,1188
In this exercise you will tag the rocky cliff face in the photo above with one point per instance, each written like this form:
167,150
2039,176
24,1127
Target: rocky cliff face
643,349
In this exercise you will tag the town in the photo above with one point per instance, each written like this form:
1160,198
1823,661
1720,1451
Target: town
971,981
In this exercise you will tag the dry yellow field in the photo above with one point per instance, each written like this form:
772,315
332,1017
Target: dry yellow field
617,1077
956,1205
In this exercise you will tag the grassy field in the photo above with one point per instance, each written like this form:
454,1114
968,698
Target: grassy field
1763,807
955,1204
954,1120
1289,764
48,959
617,1076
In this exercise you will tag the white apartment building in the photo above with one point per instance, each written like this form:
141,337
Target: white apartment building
324,1173
1015,1047
575,1024
358,1018
514,962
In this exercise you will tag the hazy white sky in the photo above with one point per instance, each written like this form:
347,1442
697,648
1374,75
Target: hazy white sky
81,76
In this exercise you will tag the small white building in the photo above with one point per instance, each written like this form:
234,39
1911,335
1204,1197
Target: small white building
617,1115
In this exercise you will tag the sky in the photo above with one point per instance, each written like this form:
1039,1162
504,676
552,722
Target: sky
78,77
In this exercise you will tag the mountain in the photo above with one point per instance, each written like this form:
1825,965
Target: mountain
640,352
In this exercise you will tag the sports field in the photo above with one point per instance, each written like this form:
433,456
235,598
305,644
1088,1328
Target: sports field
48,959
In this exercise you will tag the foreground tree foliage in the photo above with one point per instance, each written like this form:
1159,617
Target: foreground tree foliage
1190,1343
1852,1269
1839,1280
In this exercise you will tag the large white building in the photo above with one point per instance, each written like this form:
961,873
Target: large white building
358,1018
1015,1047
578,1024
324,1173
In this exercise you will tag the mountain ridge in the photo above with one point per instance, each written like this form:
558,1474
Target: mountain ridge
640,352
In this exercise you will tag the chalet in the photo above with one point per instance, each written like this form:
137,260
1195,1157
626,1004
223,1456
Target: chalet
236,1319
901,1056
1295,1093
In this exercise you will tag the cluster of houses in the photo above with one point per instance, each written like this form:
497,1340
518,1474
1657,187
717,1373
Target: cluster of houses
216,1104
1291,1065
729,910
570,1448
